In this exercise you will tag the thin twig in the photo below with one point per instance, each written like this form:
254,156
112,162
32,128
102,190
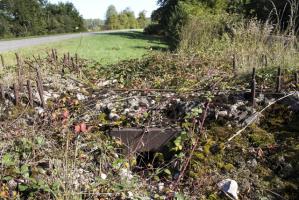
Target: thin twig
258,114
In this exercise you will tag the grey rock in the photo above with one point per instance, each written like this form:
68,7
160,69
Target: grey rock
292,102
223,113
113,116
252,163
242,115
143,102
260,98
81,97
133,104
229,187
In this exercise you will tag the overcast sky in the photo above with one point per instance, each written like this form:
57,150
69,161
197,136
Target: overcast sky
97,8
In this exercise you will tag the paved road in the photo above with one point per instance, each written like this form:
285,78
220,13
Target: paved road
21,43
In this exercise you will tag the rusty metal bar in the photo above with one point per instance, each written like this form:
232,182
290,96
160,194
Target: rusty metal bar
40,88
296,80
68,58
234,65
2,61
73,63
20,72
64,60
30,97
2,94
56,55
253,88
278,80
76,59
53,55
16,93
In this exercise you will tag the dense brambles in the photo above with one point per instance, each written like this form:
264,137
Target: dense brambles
64,150
173,14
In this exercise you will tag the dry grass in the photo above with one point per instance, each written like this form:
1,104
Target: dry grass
253,43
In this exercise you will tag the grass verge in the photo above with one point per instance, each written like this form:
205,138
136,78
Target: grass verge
106,48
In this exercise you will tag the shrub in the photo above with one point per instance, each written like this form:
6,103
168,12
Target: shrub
253,43
154,29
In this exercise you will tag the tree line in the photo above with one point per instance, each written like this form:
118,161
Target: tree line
125,19
38,17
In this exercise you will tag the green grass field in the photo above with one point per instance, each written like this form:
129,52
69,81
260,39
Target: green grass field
106,48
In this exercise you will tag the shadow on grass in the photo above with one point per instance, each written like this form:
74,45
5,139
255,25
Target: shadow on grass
153,48
138,36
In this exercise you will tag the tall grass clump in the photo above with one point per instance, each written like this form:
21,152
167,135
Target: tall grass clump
222,37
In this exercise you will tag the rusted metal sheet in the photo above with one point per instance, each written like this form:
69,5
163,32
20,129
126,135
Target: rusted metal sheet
142,140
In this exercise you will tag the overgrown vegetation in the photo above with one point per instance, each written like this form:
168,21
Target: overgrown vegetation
202,88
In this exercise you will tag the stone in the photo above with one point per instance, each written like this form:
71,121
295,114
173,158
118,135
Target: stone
81,97
160,187
242,115
133,104
229,187
125,174
40,110
103,176
113,116
252,163
222,113
143,102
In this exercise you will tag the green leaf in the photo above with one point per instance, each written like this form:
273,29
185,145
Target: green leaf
8,160
179,196
167,171
40,140
23,187
25,171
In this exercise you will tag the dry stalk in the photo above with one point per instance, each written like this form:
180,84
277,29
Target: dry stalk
187,161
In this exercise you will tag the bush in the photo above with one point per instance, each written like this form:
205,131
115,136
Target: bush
154,29
253,43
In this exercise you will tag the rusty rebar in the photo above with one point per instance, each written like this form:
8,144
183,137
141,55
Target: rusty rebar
2,61
40,88
253,88
2,94
16,94
278,80
30,97
20,72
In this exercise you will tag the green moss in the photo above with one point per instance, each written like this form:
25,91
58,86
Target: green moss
221,132
260,137
228,167
213,196
199,156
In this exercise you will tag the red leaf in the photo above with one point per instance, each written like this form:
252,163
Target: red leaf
65,114
83,127
77,128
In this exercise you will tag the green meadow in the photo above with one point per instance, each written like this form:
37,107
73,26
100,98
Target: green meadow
105,48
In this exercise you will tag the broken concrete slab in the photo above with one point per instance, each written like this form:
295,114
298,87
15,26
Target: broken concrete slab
144,140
